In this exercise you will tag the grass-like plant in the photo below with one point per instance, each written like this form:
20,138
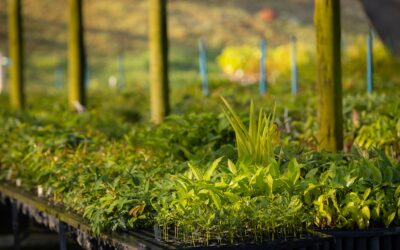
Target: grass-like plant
255,144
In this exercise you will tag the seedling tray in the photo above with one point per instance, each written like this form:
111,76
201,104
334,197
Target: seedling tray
372,239
58,219
68,224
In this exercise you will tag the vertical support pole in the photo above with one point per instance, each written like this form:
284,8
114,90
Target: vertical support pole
62,228
76,56
16,54
1,73
158,39
203,67
263,78
295,76
121,71
87,76
329,82
15,224
370,62
58,79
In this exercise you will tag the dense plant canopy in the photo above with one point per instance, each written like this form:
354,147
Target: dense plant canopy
210,177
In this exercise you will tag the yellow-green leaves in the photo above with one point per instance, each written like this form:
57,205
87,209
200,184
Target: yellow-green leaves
206,176
270,183
255,144
365,212
388,218
137,210
195,172
232,167
292,174
217,200
210,171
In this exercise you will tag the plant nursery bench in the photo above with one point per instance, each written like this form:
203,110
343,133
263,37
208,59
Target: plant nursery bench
73,226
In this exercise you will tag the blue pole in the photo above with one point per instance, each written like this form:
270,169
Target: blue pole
370,62
203,68
87,76
6,63
121,69
295,76
263,81
58,77
2,63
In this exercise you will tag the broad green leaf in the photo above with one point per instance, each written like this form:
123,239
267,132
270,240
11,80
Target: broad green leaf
216,199
232,197
210,171
375,213
274,169
388,218
232,167
350,181
397,193
293,171
196,172
366,193
375,173
311,174
270,183
365,212
239,178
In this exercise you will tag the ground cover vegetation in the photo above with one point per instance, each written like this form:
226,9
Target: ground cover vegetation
214,172
218,177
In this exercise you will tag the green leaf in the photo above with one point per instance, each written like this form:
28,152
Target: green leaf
274,169
232,197
256,144
375,173
350,181
232,167
388,219
270,183
311,174
239,178
210,171
293,171
216,199
196,172
365,212
366,194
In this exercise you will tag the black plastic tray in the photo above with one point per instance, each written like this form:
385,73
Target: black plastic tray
369,239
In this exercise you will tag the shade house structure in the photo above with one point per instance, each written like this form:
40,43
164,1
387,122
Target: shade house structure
385,17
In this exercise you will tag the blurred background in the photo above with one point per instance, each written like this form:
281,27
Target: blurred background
117,48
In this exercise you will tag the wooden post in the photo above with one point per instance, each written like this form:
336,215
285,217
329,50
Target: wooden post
16,54
329,82
158,39
76,57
